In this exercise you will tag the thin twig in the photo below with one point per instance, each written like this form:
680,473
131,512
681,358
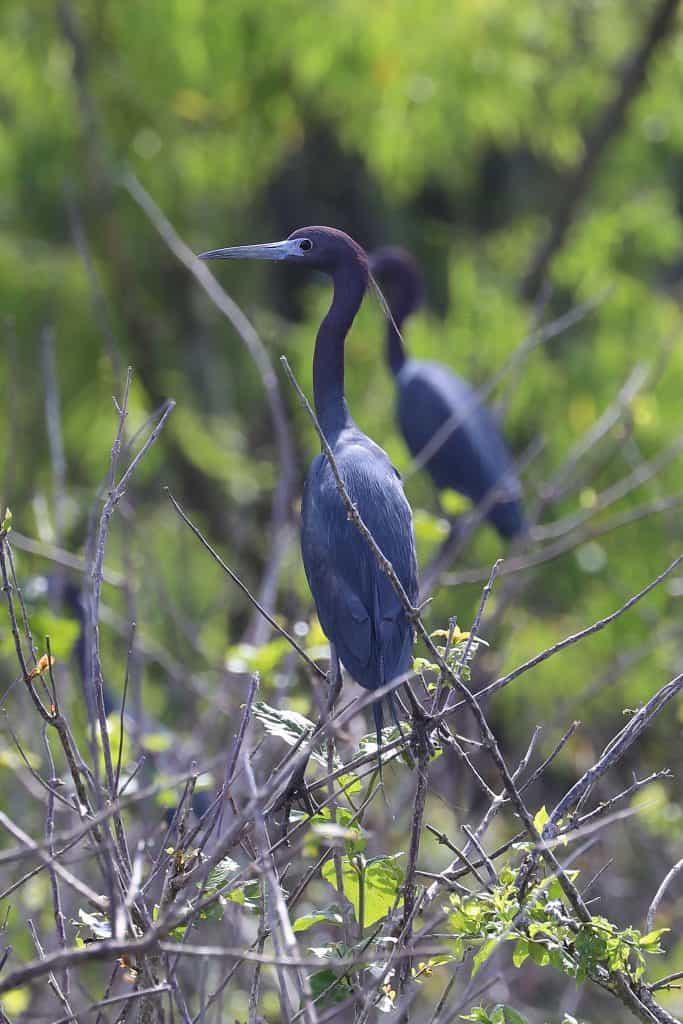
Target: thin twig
235,578
659,895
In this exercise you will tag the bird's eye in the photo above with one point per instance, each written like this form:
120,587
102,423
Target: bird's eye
305,245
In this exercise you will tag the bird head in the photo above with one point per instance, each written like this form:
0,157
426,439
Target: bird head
320,248
398,276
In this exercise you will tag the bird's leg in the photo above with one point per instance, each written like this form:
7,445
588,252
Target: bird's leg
334,680
296,789
432,725
420,730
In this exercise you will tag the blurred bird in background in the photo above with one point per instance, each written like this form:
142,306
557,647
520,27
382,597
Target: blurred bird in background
442,418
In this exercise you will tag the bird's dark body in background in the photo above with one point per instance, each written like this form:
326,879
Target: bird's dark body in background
69,596
473,458
359,610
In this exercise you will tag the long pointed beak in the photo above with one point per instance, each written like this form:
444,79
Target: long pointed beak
266,251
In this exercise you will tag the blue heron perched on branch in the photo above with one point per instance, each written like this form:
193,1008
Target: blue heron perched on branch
471,457
361,614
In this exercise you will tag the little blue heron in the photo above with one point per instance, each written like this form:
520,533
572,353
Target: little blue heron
359,611
473,457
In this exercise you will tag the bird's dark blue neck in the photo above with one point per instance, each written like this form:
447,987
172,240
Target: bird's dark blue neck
328,360
395,349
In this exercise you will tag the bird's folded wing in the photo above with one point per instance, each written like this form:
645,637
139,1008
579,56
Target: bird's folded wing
349,624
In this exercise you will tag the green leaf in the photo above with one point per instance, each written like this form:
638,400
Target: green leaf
331,915
650,941
382,879
540,819
221,874
350,784
555,891
424,665
247,895
289,726
483,954
538,953
356,837
559,961
327,989
478,1015
513,1016
97,923
520,952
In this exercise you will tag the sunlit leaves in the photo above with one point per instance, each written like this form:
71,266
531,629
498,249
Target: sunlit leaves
329,915
378,879
222,873
543,932
498,1014
225,881
287,725
540,819
482,955
93,926
264,659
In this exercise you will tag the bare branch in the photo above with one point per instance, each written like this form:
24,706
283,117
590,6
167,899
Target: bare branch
659,895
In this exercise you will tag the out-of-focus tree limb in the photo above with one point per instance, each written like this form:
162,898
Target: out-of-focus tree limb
579,179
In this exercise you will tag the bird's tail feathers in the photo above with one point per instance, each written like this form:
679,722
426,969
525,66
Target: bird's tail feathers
391,700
